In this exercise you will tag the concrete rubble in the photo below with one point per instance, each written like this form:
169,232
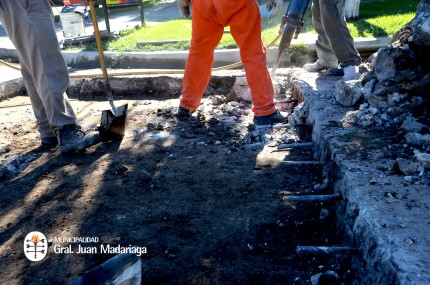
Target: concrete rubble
375,132
392,91
378,138
373,150
389,223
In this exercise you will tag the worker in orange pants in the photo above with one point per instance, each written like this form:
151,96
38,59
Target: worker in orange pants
208,21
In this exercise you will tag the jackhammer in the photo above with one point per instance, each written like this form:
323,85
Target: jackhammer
292,23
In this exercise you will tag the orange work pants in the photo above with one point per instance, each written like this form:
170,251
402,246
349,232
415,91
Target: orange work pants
209,17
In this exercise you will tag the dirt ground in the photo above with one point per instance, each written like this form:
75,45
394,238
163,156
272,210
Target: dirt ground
204,197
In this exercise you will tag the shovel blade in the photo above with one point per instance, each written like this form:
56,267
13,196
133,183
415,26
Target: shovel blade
111,126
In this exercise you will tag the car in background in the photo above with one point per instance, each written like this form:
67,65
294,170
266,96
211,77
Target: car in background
96,2
79,2
57,2
72,2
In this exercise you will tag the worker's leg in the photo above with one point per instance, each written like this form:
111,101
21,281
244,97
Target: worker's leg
42,122
326,56
206,35
29,24
337,32
245,25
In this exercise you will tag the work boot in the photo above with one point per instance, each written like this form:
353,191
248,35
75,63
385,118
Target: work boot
183,114
349,72
269,119
314,67
48,142
335,71
71,138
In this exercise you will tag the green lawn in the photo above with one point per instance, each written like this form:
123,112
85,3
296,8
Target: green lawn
377,18
383,17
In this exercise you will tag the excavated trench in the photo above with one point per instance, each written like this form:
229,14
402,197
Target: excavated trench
278,225
215,200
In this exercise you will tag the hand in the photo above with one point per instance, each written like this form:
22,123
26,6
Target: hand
184,7
276,5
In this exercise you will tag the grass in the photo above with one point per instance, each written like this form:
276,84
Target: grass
382,18
171,30
377,18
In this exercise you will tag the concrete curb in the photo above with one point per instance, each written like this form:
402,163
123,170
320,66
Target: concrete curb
177,59
151,60
11,88
147,60
393,235
149,86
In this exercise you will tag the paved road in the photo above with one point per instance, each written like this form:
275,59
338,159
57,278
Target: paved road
119,19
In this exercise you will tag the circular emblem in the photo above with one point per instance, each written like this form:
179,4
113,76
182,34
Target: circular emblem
35,246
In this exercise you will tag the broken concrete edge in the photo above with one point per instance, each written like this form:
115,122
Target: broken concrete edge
125,268
389,234
177,59
395,252
11,88
146,86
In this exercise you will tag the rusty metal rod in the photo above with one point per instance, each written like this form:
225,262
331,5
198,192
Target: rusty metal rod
310,162
289,125
326,250
296,145
313,198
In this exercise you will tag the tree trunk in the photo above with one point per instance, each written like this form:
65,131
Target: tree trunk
351,9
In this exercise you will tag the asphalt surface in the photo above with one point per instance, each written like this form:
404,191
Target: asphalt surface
119,19
122,19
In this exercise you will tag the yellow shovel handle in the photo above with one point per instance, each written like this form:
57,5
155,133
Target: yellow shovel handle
98,39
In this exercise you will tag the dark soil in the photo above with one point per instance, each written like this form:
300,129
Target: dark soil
204,197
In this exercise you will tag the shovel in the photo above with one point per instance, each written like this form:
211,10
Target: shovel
112,124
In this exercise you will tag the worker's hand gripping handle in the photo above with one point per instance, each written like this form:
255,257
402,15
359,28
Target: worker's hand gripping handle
275,6
184,7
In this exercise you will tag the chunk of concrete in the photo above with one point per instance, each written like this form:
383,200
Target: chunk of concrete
395,64
417,139
348,92
421,24
240,91
122,269
422,158
410,125
406,167
386,100
12,88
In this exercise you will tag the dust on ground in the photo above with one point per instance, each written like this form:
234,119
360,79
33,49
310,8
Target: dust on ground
204,198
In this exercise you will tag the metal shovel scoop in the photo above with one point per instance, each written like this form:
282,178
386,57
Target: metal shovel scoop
112,124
